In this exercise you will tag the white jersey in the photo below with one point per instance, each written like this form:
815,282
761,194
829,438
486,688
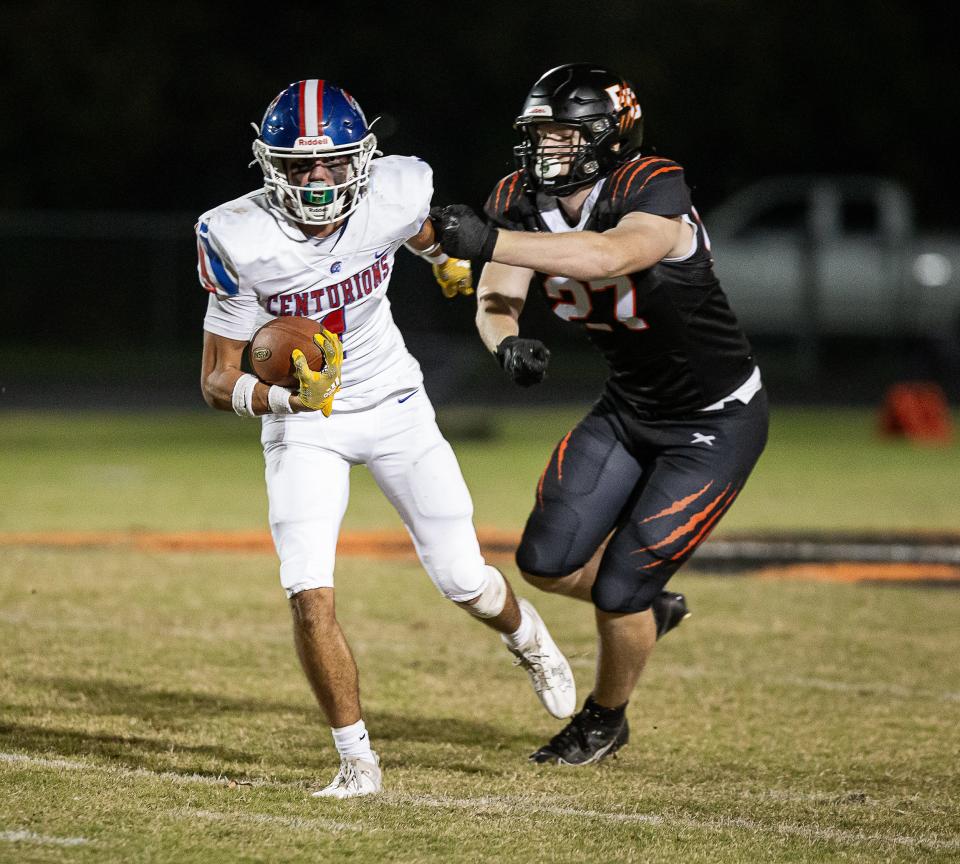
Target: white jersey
258,266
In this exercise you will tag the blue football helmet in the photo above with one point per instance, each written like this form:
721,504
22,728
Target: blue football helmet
314,119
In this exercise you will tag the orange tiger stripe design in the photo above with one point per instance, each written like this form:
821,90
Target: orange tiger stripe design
500,185
654,174
543,477
677,506
698,538
561,449
696,541
513,184
688,526
652,564
515,175
637,168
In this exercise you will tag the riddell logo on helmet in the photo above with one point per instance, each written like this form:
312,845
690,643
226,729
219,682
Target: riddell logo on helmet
539,111
321,141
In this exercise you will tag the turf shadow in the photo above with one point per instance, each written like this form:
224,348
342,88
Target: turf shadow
132,699
449,730
128,749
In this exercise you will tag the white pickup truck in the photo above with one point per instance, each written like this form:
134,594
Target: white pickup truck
805,257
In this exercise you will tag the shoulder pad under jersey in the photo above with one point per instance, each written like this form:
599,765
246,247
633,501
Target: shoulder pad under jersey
506,204
223,234
649,184
400,191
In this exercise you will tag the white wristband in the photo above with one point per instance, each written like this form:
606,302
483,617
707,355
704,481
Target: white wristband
434,254
279,399
242,398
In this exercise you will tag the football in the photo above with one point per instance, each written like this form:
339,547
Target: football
270,348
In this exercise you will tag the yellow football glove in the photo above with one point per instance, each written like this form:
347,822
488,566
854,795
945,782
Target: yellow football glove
454,277
317,389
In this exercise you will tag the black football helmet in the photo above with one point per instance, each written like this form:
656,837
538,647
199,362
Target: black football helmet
594,101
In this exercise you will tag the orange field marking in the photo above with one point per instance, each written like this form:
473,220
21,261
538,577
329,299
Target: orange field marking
374,544
851,571
496,545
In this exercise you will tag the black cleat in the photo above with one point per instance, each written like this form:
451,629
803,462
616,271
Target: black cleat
584,741
669,610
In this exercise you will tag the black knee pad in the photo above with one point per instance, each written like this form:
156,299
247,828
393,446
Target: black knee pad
622,595
625,586
556,549
552,552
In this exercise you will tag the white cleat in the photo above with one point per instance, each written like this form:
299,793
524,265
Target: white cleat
356,777
548,669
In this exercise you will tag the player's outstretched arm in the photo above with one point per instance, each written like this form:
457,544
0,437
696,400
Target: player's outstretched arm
453,275
638,242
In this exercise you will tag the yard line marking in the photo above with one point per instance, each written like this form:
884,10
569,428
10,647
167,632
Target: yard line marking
41,762
40,839
294,822
508,806
172,776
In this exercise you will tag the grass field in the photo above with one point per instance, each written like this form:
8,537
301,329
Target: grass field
151,707
822,470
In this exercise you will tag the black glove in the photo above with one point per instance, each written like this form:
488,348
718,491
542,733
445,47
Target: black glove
462,233
524,360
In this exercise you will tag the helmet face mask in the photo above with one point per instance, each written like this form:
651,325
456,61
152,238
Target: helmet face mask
560,164
310,123
597,105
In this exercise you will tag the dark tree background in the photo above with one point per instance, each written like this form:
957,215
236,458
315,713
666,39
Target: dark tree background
142,107
146,109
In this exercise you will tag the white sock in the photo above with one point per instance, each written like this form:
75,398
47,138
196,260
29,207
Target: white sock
524,634
353,741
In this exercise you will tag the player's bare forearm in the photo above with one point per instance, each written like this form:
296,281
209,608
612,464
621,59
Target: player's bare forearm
221,371
218,391
496,320
586,255
500,299
425,239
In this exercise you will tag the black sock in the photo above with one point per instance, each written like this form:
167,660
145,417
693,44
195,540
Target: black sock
606,716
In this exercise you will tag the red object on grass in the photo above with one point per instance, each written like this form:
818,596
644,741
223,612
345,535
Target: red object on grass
917,410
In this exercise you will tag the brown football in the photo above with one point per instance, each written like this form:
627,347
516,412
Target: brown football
272,344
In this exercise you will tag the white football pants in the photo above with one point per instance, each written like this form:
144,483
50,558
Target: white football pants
308,459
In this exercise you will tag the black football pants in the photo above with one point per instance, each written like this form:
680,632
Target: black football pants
659,485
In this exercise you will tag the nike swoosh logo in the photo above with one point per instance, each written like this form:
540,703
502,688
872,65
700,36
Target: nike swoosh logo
364,735
404,399
381,254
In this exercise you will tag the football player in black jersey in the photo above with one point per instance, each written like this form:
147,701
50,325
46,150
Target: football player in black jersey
632,490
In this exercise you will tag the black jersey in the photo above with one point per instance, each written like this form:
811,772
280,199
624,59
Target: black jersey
671,341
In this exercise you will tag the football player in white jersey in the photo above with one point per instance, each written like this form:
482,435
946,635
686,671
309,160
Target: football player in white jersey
319,240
